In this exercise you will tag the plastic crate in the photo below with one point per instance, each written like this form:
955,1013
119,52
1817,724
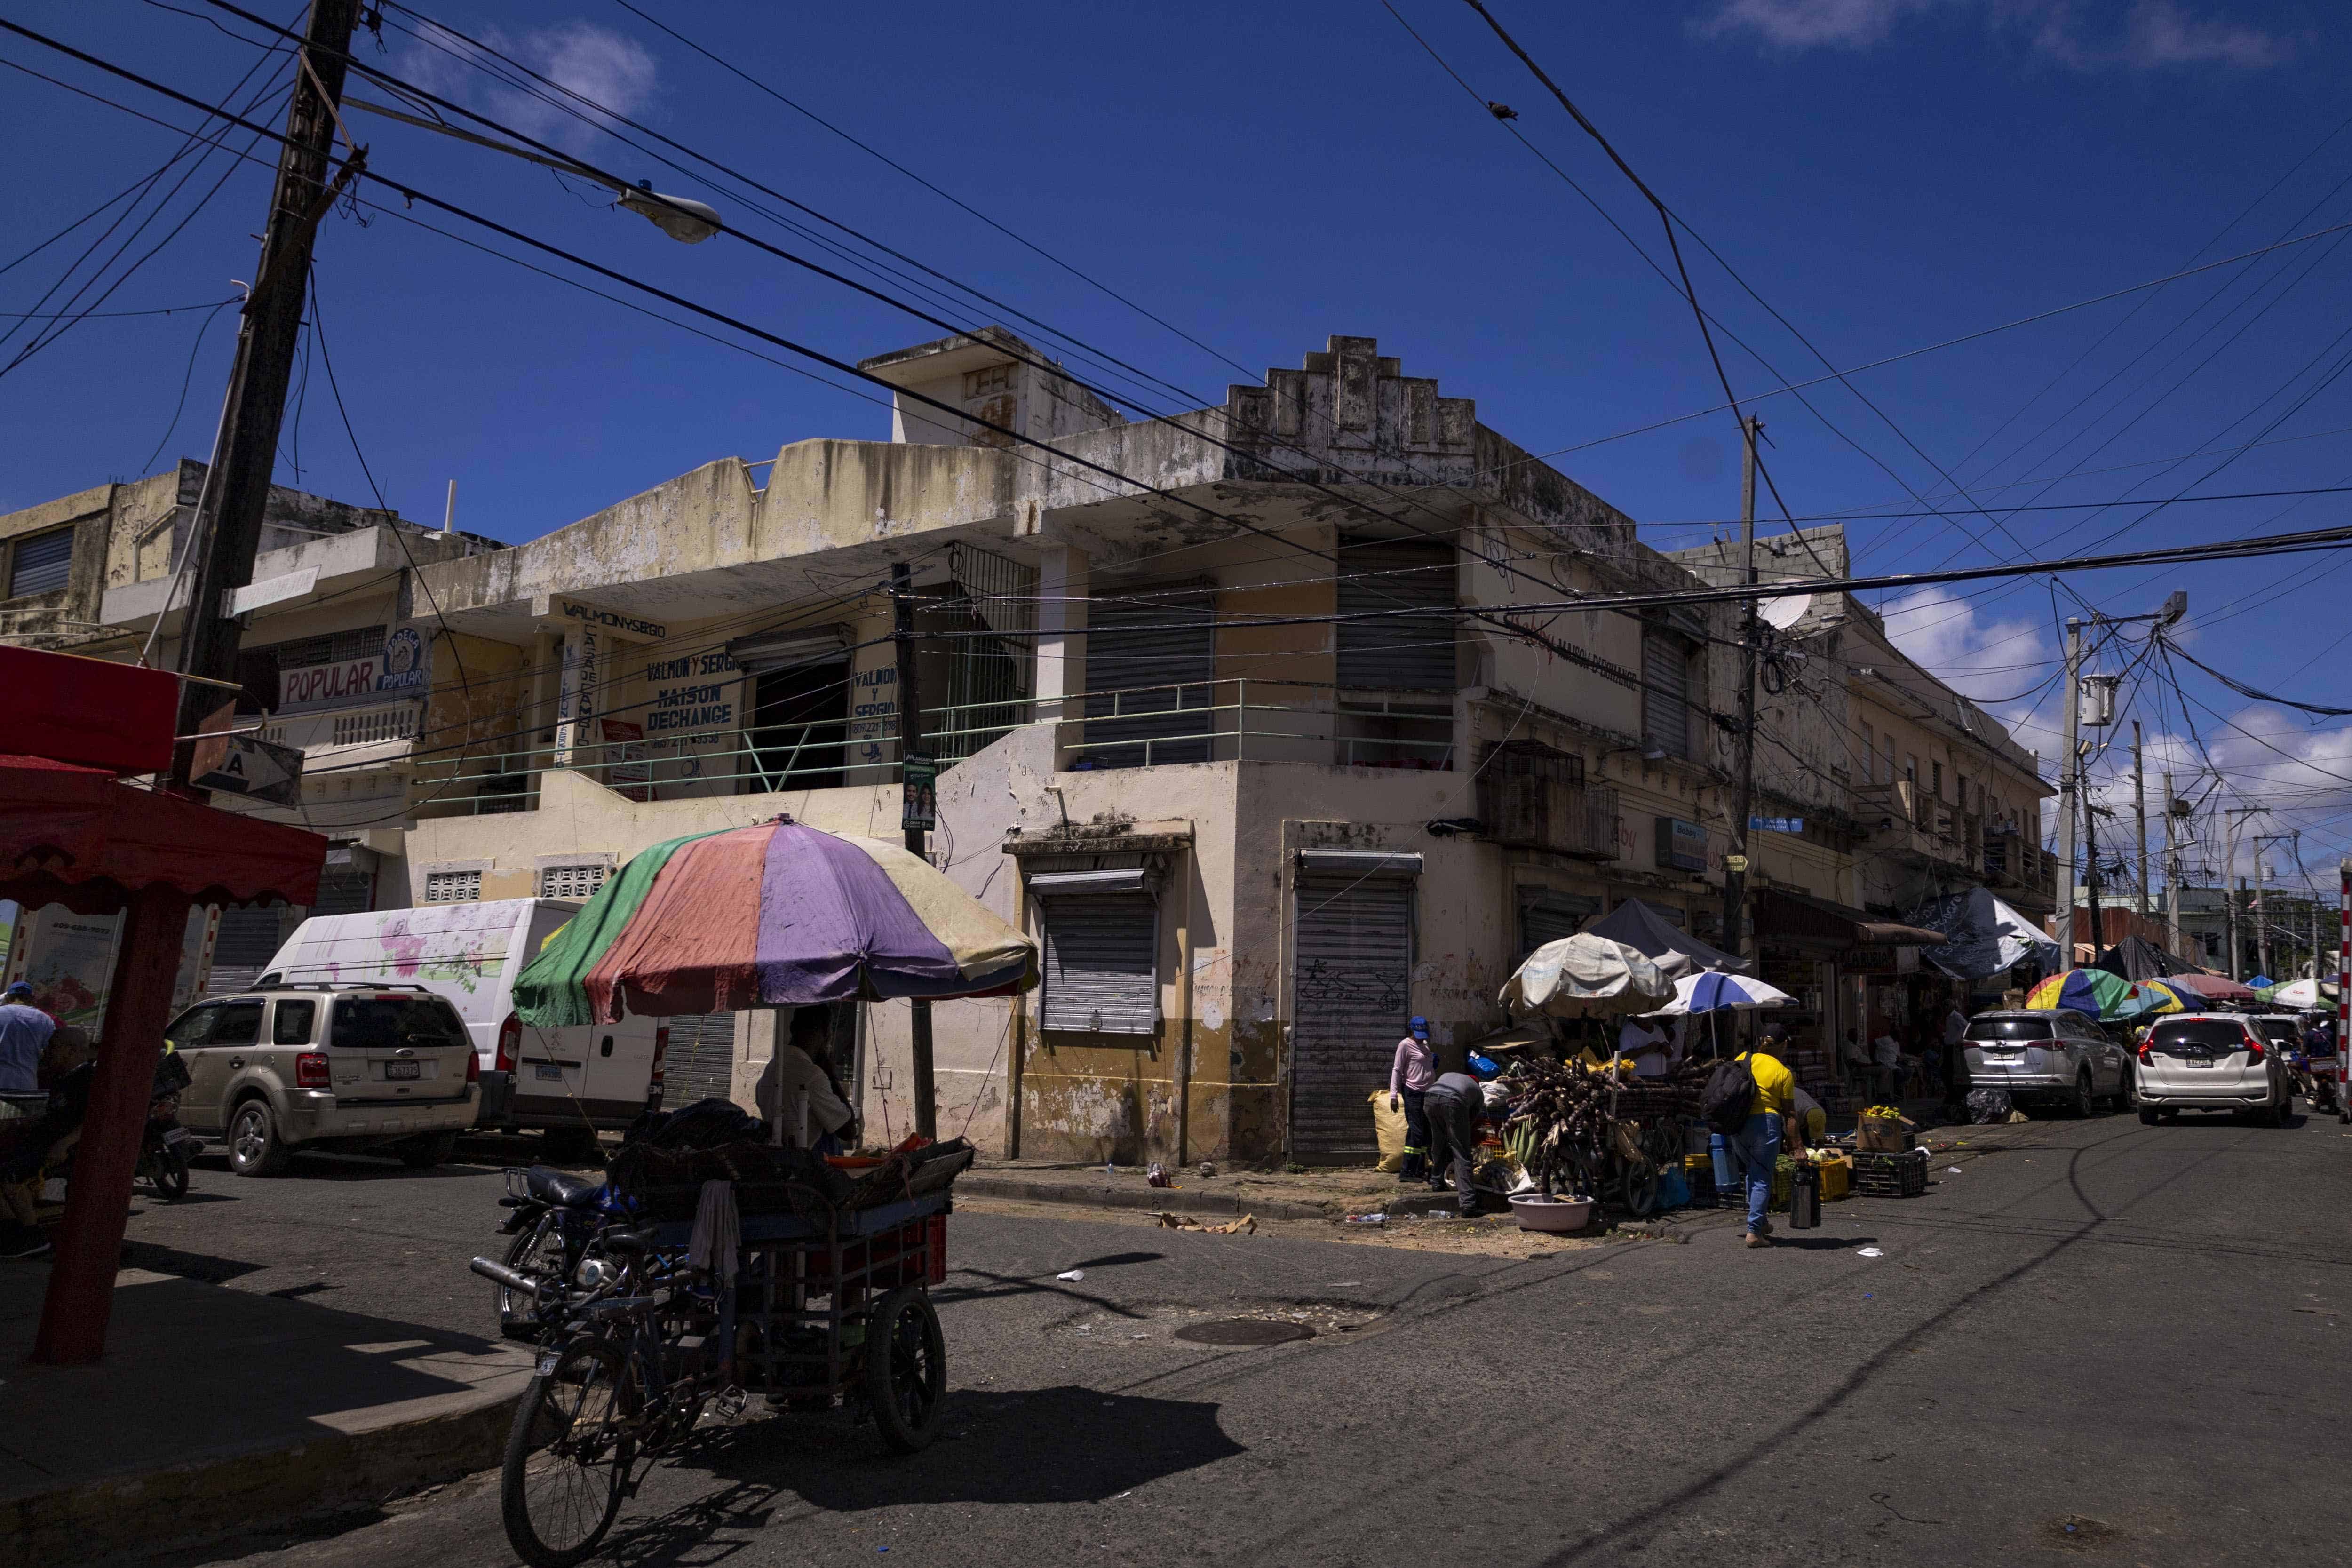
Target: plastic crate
1837,1178
1891,1176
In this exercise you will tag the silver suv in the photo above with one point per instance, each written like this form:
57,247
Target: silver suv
2052,1056
2213,1062
383,1068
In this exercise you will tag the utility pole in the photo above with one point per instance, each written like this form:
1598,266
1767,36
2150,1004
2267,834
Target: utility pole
227,525
2171,873
2262,923
1735,864
2070,778
2139,814
2090,874
910,748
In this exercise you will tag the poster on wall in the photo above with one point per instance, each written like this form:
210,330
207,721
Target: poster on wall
626,772
68,961
693,712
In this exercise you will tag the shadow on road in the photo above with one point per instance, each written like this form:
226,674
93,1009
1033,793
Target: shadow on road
1065,1445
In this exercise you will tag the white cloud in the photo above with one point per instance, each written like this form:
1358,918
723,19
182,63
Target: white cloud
2157,34
1985,660
611,72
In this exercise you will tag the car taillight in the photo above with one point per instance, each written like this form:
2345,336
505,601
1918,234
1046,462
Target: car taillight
473,1064
509,1043
2143,1053
2253,1049
310,1070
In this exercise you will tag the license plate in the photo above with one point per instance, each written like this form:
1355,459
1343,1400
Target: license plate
549,1073
2196,1062
404,1069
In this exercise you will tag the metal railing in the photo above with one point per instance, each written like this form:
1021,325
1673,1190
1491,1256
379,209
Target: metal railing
1158,726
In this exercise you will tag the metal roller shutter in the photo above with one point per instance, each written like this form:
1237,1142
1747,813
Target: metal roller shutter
1666,693
1397,652
1351,994
249,937
344,893
1171,636
700,1062
1545,916
1102,972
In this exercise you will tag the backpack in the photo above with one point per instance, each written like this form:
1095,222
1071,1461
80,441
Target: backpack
1729,1094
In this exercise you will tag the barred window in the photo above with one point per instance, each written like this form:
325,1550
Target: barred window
453,887
379,724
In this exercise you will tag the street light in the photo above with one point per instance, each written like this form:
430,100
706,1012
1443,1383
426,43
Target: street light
682,218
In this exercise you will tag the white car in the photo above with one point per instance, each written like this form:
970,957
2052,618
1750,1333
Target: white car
2211,1061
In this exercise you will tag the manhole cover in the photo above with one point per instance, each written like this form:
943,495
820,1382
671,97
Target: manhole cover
1244,1331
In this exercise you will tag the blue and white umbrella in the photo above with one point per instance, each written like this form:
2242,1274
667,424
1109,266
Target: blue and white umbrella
1713,991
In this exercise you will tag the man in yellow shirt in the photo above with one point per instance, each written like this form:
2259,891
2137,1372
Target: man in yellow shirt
1754,1149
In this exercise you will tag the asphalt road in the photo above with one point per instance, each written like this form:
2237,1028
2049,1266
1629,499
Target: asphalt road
2135,1331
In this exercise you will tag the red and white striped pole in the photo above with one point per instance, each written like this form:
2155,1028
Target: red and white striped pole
2344,993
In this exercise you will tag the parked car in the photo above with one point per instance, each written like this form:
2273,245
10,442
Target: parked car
567,1083
2047,1056
2211,1061
379,1069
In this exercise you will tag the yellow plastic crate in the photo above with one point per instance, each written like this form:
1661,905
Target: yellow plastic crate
1837,1178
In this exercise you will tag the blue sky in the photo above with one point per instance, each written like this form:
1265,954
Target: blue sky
1885,175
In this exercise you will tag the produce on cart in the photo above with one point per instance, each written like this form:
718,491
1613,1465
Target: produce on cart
728,1262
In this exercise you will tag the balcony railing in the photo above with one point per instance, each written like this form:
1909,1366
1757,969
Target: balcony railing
1221,720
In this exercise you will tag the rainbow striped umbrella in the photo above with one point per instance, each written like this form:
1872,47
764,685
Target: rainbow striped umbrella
2096,991
776,914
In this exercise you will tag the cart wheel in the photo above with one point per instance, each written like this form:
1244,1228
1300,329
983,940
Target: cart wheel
906,1369
1638,1189
568,1457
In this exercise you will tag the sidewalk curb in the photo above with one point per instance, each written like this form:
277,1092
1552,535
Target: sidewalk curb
233,1489
1174,1200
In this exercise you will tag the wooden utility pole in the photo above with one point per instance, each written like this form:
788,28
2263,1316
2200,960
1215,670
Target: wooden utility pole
227,525
2139,814
911,749
1735,864
2070,777
2171,873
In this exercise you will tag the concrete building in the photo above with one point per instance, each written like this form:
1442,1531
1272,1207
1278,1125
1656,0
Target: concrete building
1305,739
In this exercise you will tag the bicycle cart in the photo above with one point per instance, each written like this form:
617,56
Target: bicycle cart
828,1308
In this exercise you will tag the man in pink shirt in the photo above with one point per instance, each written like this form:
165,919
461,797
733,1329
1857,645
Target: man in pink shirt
1409,1076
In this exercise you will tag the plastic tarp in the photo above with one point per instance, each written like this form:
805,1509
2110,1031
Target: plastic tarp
2136,957
1986,937
74,836
1587,976
1676,953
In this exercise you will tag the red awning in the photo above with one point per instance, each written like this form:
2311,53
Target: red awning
73,835
93,712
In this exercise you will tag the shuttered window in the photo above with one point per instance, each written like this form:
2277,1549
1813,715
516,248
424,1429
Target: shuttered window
1133,645
1393,651
1351,994
700,1062
1666,693
1102,972
41,563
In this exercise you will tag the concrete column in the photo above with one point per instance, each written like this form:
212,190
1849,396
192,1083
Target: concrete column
1062,574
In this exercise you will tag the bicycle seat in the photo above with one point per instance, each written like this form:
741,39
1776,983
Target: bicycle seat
562,1191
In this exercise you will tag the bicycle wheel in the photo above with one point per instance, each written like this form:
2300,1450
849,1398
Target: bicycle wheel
537,1251
568,1455
906,1369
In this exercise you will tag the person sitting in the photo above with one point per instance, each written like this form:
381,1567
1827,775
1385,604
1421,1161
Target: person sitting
802,1066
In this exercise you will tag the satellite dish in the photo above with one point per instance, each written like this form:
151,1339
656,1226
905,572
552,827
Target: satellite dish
1783,613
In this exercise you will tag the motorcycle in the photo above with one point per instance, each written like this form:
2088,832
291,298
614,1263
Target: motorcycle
555,1220
2315,1079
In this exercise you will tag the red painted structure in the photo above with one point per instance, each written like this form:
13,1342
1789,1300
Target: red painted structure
76,836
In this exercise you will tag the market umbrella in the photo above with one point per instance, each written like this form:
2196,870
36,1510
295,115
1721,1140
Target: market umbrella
776,914
1712,992
2303,995
1586,976
2260,982
2164,997
2210,988
2100,992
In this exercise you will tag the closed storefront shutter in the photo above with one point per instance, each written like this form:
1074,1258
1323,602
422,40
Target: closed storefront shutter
1411,652
1545,916
1133,646
1351,997
1102,974
344,893
1666,693
700,1063
250,936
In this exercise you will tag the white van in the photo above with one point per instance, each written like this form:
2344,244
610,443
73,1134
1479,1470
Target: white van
569,1083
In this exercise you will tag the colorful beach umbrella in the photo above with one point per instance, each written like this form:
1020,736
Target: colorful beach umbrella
776,914
2095,991
2165,997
